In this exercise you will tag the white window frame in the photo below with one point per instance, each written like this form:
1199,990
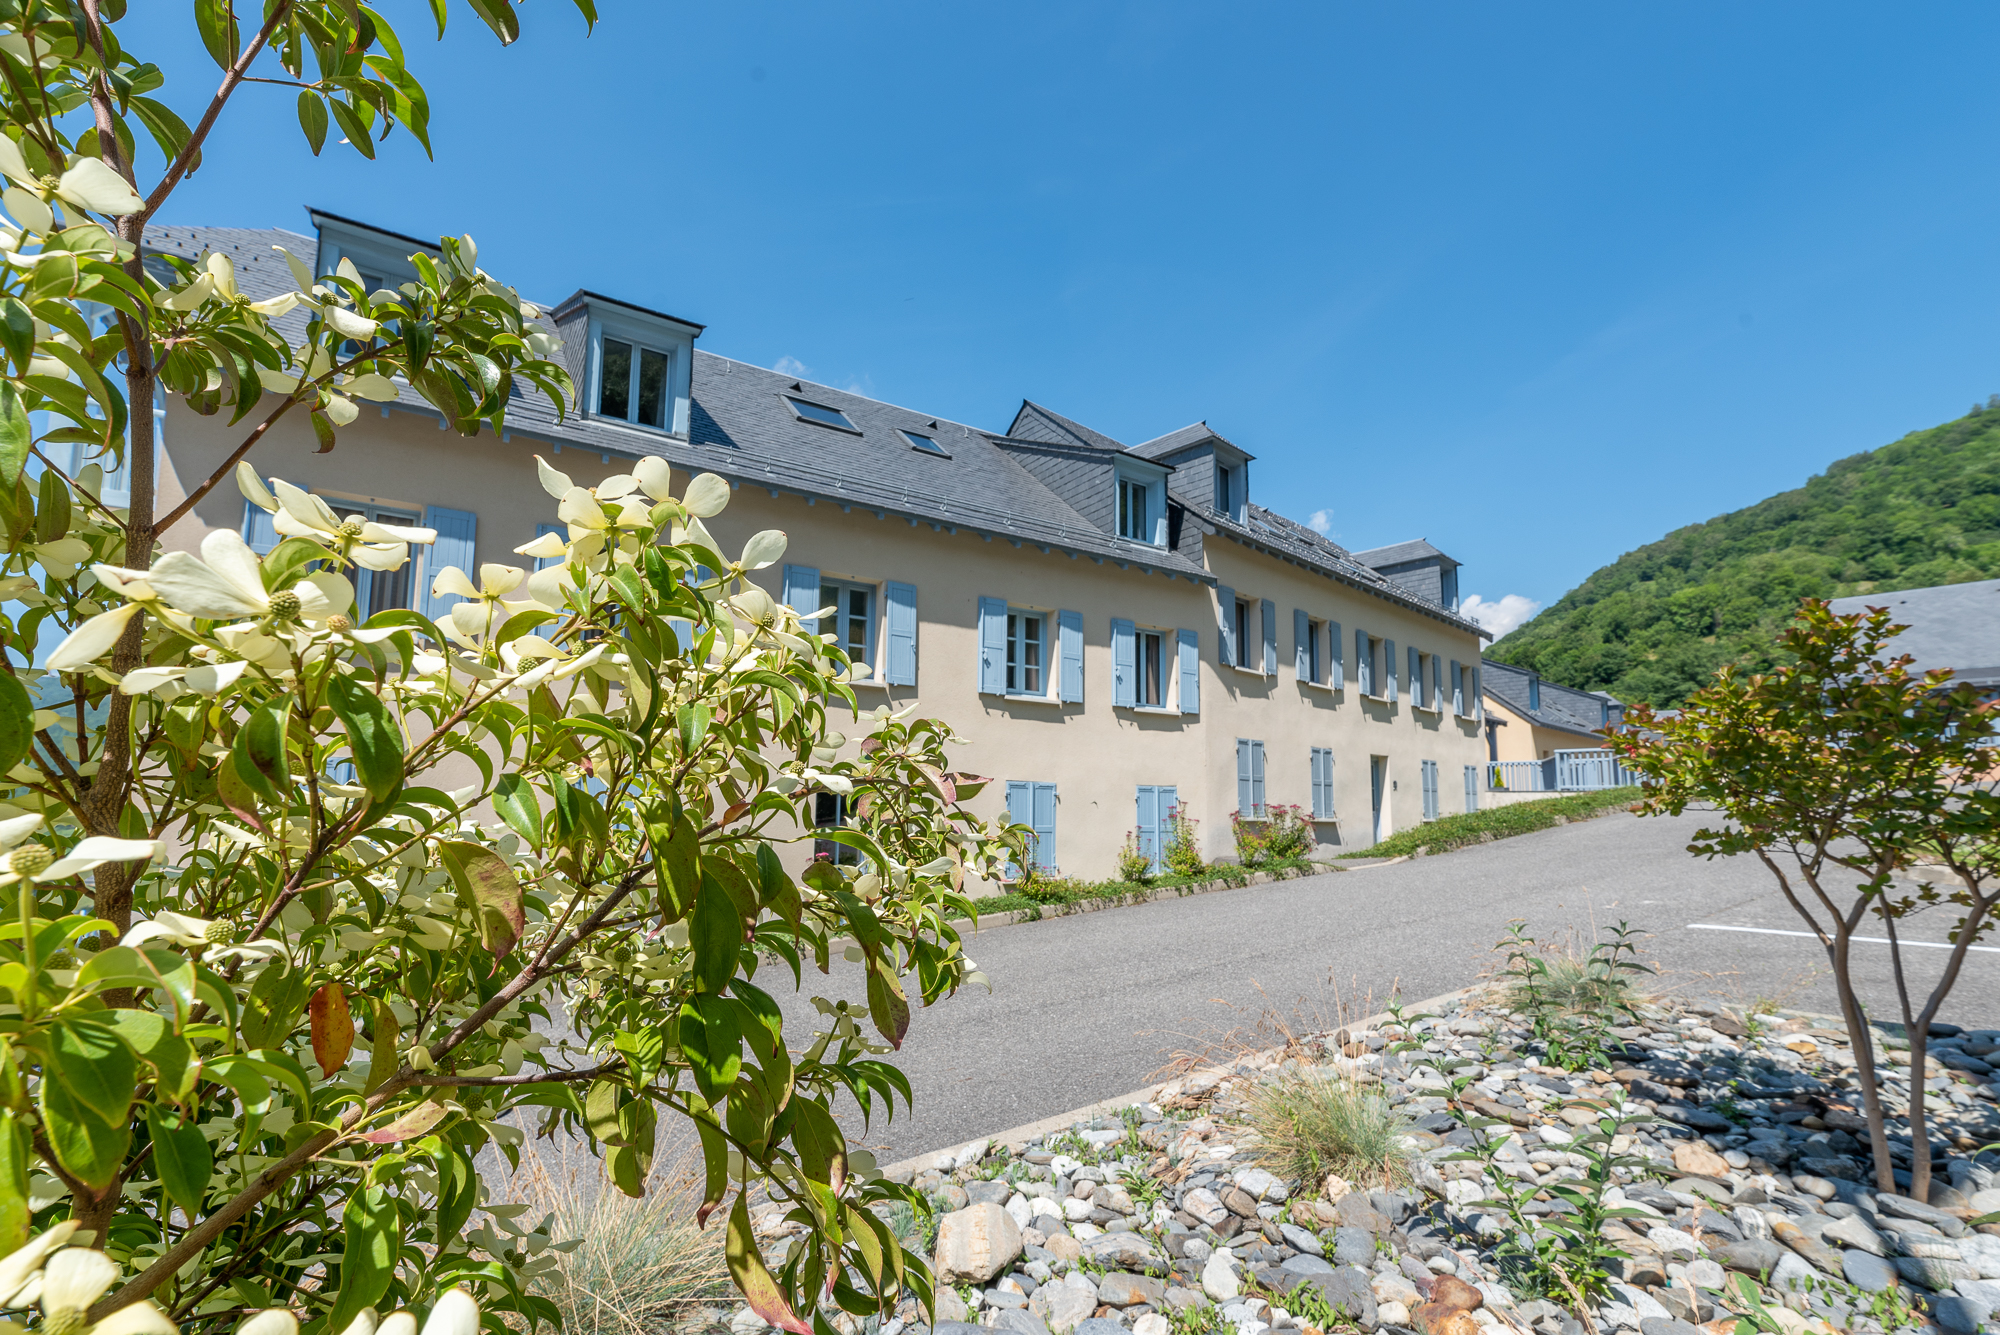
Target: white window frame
639,347
1047,641
1169,669
1432,667
1320,660
1248,619
871,650
1153,492
1378,668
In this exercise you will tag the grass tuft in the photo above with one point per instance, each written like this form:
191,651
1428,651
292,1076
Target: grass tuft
638,1267
1310,1125
1449,832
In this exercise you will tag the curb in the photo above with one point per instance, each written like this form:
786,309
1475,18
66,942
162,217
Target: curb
1011,917
1018,1136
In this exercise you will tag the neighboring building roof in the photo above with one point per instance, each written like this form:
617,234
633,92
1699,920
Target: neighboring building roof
1376,558
1563,707
1955,626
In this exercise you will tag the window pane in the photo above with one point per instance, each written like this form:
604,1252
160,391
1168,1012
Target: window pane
1013,652
815,412
614,396
1031,655
653,388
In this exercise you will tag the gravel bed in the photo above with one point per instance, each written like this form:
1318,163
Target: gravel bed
1753,1159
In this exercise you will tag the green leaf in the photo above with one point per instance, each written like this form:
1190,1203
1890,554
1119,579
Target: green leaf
93,1063
457,1194
16,1155
716,934
312,119
17,714
215,20
373,737
17,434
487,884
712,1042
183,1157
499,16
373,1232
356,131
627,1170
169,131
887,1005
17,331
822,1150
515,801
88,1147
276,1001
676,866
259,756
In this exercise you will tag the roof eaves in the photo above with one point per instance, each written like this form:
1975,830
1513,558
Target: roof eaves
585,296
317,214
1356,577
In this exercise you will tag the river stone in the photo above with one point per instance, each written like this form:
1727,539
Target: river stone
1262,1183
1790,1273
1218,1278
988,1193
1904,1208
1020,1321
1300,1240
1868,1272
975,1244
1127,1251
1753,1256
1958,1316
1122,1290
1348,1290
1240,1203
1694,1156
1932,1273
1666,1325
1357,1211
1205,1206
1853,1231
1062,1306
1304,1264
1100,1325
1353,1246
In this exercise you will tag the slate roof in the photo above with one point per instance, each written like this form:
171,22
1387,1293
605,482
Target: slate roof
1034,422
1562,706
1192,434
1954,626
1375,558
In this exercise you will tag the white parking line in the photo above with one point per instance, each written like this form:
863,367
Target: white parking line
1878,940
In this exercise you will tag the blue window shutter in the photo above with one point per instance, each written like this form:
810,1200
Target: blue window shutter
259,528
1478,700
1020,811
802,595
1069,636
1225,647
1457,687
456,545
1243,777
1045,826
1339,669
901,668
1147,832
1124,664
1270,659
1364,664
1389,670
1301,650
993,646
1190,653
1416,677
1257,776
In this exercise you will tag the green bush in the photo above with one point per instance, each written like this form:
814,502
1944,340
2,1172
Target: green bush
1287,833
1449,832
1310,1124
1183,851
1133,864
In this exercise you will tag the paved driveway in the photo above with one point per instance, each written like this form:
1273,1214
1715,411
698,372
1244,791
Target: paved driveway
1092,1006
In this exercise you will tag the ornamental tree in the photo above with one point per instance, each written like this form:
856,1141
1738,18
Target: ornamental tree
295,909
1837,771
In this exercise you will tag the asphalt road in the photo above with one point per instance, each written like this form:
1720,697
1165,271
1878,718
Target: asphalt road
1095,1005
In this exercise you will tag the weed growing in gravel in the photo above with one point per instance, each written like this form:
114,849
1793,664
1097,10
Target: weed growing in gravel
1200,1319
626,1265
1310,1306
1572,1000
1562,1256
1311,1125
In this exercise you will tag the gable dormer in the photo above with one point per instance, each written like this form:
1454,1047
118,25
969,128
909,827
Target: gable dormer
631,365
380,256
1120,492
1209,472
1418,567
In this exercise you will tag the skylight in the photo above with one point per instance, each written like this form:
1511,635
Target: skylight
825,416
924,443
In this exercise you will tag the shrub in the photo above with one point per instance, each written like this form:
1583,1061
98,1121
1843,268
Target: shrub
1039,887
1183,851
1311,1123
1288,835
1572,998
1252,839
1472,827
1133,864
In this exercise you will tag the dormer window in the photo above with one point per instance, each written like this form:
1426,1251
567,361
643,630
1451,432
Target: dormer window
1132,520
632,383
822,415
1224,502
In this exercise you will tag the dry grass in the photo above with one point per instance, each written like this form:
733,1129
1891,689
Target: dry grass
639,1267
1310,1125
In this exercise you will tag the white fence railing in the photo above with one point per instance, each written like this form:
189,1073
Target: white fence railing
1563,772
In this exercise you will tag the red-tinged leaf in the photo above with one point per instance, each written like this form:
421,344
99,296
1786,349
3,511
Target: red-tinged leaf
332,1028
410,1125
735,810
488,883
887,1005
746,1267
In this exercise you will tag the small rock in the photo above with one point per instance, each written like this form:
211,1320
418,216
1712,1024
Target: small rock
1904,1208
1240,1203
1790,1273
1934,1274
1153,1323
989,1193
1853,1231
1353,1246
950,1307
1218,1277
1019,1320
1181,1300
1062,1306
1205,1206
1693,1156
1126,1251
1959,1316
1300,1240
1753,1256
1357,1211
1124,1290
1304,1264
1868,1272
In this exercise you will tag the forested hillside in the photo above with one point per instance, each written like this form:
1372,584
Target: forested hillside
1657,622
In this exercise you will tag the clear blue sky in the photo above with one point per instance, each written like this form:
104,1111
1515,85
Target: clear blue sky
1539,283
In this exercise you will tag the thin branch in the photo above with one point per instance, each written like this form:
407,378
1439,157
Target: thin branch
280,12
538,1078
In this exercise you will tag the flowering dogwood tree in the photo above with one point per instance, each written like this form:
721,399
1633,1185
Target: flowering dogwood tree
295,908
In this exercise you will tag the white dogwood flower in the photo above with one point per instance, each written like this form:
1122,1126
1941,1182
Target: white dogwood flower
76,1277
226,581
370,545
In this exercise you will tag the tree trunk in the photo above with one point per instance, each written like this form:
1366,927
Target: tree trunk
1920,1141
1863,1043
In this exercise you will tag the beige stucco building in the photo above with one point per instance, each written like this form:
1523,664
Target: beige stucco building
1115,630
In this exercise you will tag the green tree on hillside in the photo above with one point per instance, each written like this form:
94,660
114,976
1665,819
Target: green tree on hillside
1657,623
